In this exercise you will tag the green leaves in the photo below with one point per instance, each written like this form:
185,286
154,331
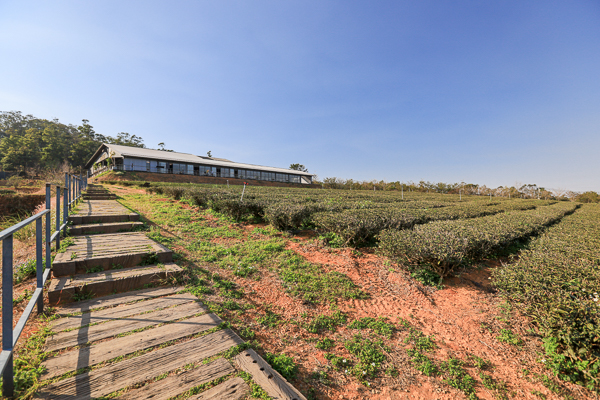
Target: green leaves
447,244
557,282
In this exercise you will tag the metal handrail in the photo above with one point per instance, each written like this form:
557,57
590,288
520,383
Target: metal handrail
71,194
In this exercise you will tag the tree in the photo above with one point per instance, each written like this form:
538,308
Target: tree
27,142
162,147
588,197
298,167
209,153
125,139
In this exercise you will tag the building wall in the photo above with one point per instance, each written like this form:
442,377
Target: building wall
168,167
154,177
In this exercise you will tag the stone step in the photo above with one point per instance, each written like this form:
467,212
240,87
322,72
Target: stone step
126,373
110,227
69,288
107,251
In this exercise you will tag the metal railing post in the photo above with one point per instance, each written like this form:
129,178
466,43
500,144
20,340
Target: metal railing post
7,313
39,263
68,185
58,217
80,183
65,209
48,223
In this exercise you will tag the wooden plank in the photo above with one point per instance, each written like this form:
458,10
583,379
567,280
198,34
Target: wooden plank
126,373
93,333
104,283
116,299
274,384
232,389
78,321
102,228
175,385
107,250
98,353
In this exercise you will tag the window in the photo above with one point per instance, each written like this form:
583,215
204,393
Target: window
282,177
190,169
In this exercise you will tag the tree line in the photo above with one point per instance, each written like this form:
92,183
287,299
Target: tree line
30,145
527,191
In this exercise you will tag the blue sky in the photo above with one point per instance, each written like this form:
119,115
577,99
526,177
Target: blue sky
494,93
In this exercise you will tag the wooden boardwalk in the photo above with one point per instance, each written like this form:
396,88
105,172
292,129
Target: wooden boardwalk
131,340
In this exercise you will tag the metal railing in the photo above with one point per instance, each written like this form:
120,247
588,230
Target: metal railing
71,193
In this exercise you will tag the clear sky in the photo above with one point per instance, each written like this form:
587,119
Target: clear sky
488,92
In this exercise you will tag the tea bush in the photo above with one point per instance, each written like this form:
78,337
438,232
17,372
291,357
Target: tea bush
447,244
556,281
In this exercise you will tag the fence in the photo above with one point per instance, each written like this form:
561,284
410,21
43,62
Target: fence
71,193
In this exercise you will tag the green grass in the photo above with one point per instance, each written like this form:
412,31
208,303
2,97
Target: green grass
247,258
457,377
507,336
283,364
325,344
370,355
377,325
326,322
270,319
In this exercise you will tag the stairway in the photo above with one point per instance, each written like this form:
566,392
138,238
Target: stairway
134,333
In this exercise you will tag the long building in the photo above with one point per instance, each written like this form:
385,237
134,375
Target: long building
128,158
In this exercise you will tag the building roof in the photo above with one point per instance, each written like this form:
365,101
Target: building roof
137,152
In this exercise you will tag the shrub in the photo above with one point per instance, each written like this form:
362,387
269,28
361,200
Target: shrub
556,281
447,244
287,216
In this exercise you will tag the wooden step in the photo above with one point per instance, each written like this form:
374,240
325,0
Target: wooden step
108,314
107,251
96,211
108,196
175,385
270,380
98,353
115,300
232,389
93,333
114,227
64,289
106,380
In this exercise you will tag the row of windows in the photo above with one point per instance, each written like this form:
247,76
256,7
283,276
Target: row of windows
135,164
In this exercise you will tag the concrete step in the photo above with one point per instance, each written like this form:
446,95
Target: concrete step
109,251
114,227
101,211
69,288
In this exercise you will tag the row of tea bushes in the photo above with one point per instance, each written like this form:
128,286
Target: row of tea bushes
360,227
446,244
557,283
355,218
